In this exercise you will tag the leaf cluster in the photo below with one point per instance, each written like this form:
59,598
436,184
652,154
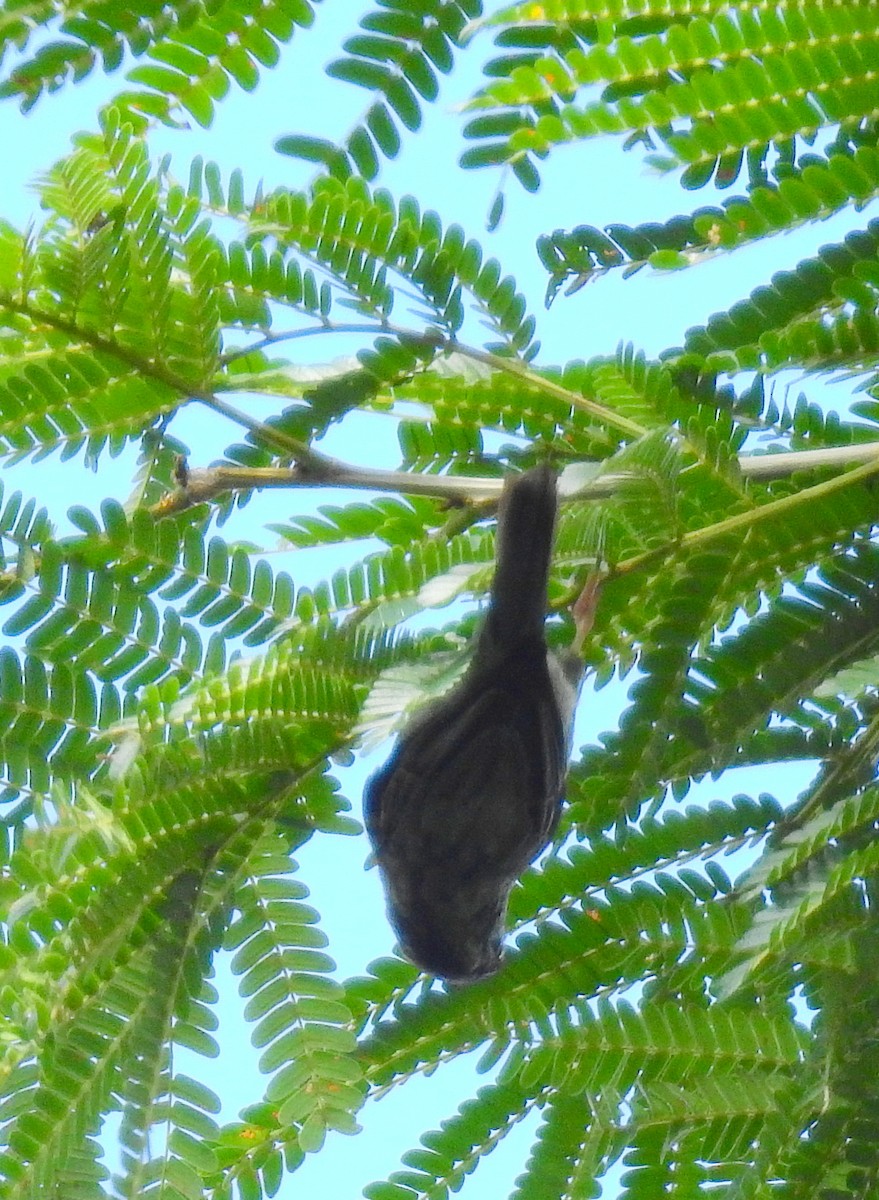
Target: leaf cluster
174,709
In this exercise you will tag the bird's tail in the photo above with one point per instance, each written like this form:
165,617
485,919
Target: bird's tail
526,521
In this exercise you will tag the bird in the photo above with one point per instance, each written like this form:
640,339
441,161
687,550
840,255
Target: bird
473,789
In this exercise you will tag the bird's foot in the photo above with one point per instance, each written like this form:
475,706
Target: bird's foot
583,610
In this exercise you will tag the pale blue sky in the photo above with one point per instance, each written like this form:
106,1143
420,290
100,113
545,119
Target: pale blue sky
595,184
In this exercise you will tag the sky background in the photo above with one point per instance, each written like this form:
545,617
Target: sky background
596,183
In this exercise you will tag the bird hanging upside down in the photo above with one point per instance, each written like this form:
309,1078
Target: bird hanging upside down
473,790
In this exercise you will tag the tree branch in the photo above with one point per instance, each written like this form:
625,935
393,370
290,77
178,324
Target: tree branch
200,486
786,462
319,470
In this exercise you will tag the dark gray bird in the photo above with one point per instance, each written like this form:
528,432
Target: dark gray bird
473,790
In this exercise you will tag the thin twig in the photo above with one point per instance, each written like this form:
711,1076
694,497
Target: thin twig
744,521
444,344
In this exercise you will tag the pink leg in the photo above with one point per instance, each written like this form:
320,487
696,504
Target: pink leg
583,610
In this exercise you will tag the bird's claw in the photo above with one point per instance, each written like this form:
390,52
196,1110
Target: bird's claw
583,609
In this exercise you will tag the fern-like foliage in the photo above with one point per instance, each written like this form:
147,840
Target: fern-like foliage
397,55
815,188
174,707
737,92
195,52
709,87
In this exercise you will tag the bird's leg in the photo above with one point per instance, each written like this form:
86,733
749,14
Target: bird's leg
583,610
